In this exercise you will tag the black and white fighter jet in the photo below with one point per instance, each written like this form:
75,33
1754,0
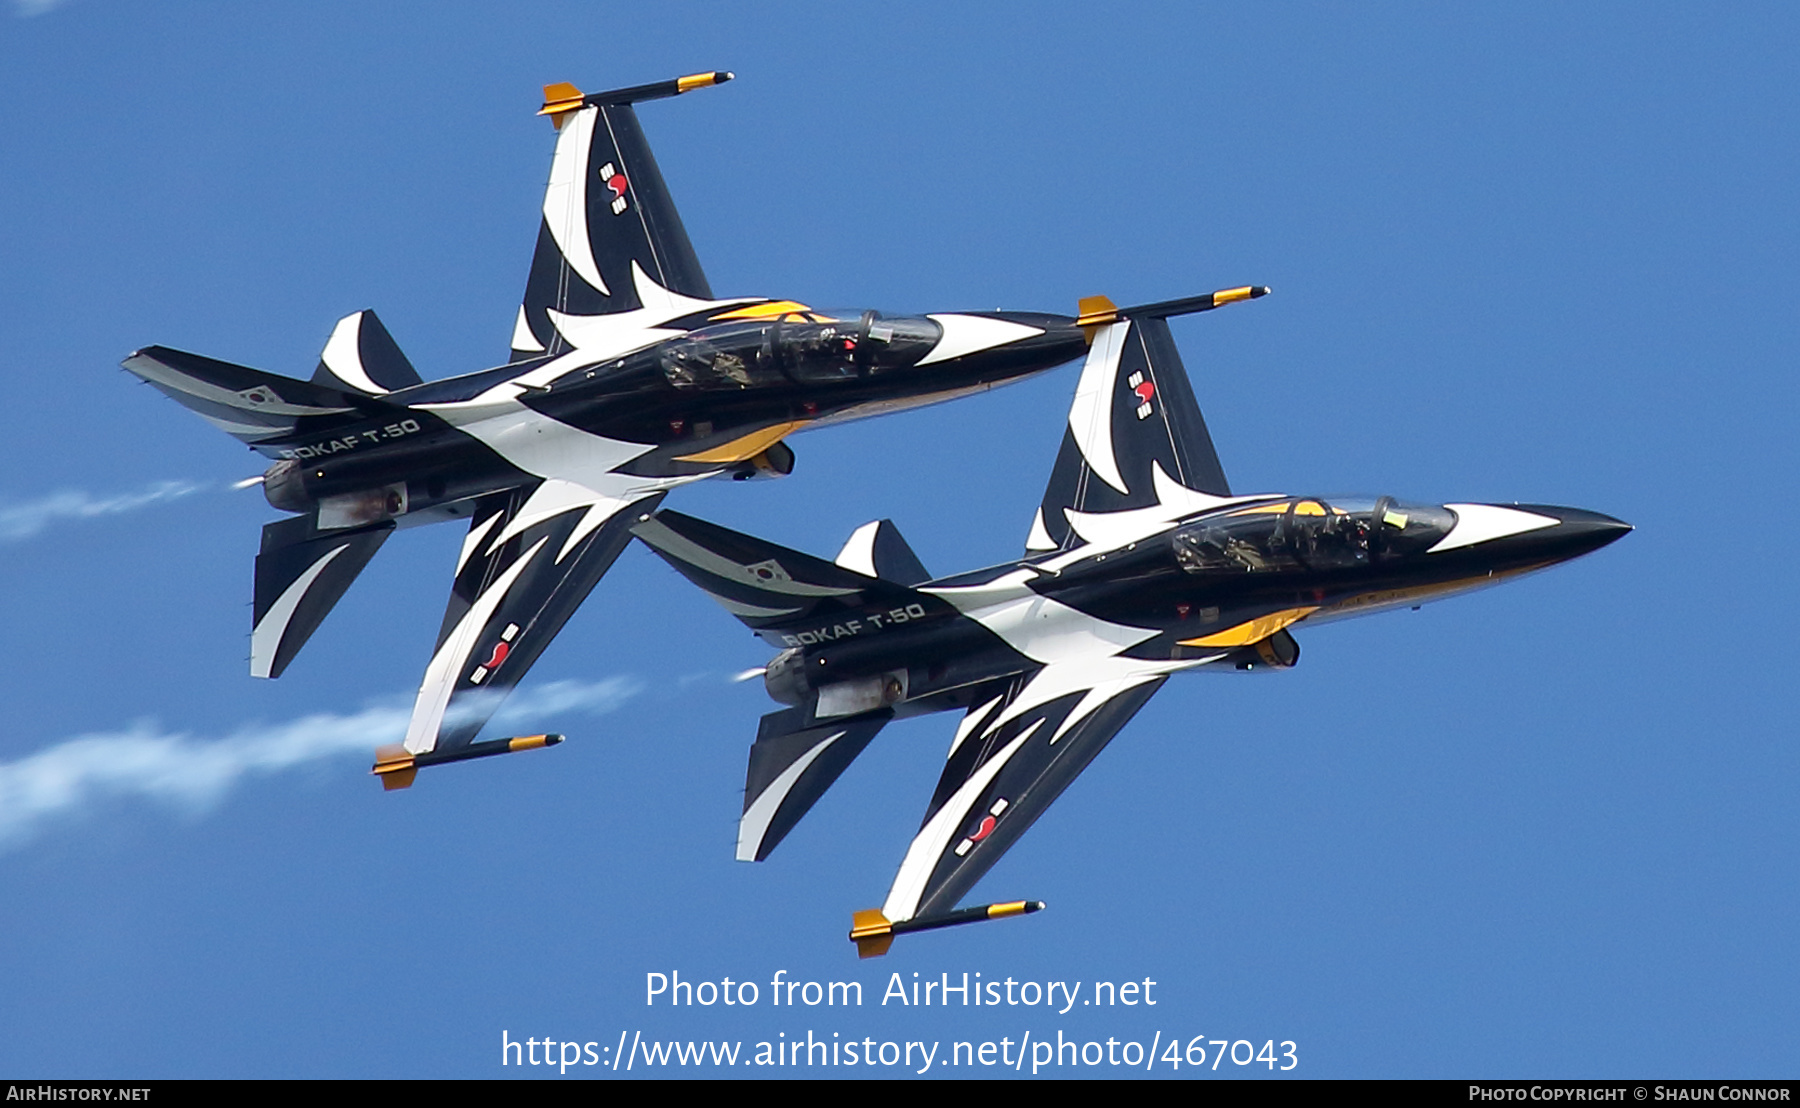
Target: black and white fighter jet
1140,563
628,377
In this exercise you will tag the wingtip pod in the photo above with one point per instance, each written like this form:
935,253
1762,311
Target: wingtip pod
1097,311
1242,292
873,933
397,766
702,80
562,98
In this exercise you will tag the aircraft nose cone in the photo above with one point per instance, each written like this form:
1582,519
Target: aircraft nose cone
1578,531
1523,535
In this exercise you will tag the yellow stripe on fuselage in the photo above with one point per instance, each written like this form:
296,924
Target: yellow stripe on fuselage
748,446
1253,631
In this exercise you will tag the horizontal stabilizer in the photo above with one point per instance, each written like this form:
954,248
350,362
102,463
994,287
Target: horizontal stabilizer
362,357
301,573
792,763
250,405
877,550
767,586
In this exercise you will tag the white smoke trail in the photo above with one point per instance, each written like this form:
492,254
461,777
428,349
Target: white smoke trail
183,771
29,8
22,521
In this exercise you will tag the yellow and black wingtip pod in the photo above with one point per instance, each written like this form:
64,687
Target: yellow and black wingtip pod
1243,292
873,933
1095,312
1163,309
562,98
702,80
397,766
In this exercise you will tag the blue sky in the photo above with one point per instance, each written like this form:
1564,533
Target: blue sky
1540,253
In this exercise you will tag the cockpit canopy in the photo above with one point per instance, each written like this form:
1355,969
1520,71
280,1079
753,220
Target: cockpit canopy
1310,534
799,348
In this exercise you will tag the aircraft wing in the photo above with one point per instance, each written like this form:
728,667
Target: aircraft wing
1014,753
530,558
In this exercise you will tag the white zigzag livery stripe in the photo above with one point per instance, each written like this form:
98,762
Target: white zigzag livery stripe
593,338
761,812
1175,501
343,355
1055,681
565,200
546,502
597,514
522,338
473,540
547,448
1481,522
1102,693
614,334
1036,626
969,722
928,846
967,334
1090,416
858,555
266,639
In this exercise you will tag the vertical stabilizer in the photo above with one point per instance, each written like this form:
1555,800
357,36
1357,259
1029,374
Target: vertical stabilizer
606,210
1134,413
362,357
877,550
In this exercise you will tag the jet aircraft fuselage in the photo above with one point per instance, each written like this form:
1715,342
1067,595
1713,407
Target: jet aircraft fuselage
719,397
1216,588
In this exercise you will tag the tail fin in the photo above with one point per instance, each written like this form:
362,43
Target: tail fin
607,212
362,357
1134,415
250,405
771,588
877,550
